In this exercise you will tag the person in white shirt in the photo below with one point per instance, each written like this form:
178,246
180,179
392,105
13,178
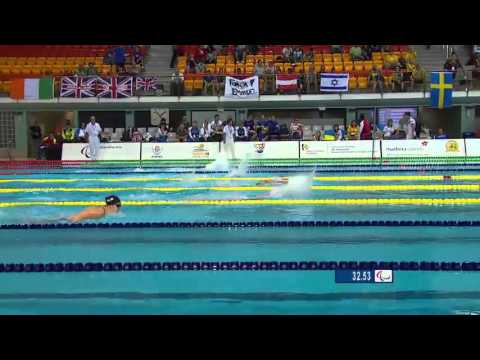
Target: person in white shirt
215,128
93,131
205,131
388,129
229,138
411,127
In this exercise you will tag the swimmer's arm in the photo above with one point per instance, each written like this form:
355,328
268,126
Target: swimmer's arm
90,213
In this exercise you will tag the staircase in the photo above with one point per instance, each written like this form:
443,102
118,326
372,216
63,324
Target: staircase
158,62
434,58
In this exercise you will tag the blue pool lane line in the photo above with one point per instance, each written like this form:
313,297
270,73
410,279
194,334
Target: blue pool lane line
239,266
251,224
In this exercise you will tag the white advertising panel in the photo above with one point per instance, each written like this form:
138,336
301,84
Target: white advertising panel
472,147
423,148
180,151
108,151
265,150
339,149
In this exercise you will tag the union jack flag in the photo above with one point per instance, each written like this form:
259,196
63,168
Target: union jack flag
115,87
146,83
77,86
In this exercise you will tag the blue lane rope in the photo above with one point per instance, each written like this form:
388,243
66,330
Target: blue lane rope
248,224
239,266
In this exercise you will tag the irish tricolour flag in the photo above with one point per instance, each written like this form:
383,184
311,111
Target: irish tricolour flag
32,89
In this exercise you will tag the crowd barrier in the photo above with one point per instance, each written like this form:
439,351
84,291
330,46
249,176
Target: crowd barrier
279,150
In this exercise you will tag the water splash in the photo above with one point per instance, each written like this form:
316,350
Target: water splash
220,164
298,186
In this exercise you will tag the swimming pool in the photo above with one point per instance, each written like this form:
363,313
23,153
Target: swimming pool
215,219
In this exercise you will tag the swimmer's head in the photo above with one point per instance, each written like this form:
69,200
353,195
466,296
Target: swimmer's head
113,200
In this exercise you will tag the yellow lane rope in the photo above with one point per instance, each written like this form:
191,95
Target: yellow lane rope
317,178
424,201
462,187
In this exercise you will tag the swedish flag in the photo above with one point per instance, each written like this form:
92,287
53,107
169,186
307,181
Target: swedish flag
441,89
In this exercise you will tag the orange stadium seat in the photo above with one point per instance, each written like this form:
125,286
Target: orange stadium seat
338,68
328,67
357,65
352,83
348,66
188,85
362,82
198,84
367,65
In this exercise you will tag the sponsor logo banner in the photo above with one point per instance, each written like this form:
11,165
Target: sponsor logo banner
423,148
265,150
179,151
339,149
108,151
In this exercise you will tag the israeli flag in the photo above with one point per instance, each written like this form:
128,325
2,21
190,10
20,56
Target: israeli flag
334,82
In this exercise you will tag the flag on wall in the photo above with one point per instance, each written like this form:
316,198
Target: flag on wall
115,87
334,82
148,83
78,86
286,81
441,89
32,89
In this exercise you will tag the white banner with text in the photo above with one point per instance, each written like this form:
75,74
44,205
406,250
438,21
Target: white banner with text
108,151
423,148
340,149
180,151
252,150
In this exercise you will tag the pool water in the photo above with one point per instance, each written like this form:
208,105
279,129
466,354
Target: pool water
240,292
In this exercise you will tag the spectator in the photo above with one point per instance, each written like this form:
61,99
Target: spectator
311,80
287,53
309,55
81,71
402,63
176,84
241,133
411,126
259,68
108,58
239,53
35,139
191,64
200,68
219,83
260,133
424,132
441,134
397,82
68,134
182,133
210,57
91,70
376,79
407,80
336,49
353,131
269,78
273,129
252,49
339,134
298,55
356,53
162,133
398,135
204,131
365,130
139,60
301,83
173,61
127,135
420,76
136,135
284,133
147,137
119,58
194,132
388,129
216,129
250,125
46,144
208,82
296,130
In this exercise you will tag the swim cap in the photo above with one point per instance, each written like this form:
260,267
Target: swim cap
113,200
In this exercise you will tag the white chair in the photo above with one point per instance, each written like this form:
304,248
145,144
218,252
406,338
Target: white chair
108,130
142,130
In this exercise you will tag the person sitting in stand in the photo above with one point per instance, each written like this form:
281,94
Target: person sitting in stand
216,129
80,133
296,129
250,125
162,133
47,143
273,129
353,131
205,131
339,133
194,132
182,133
441,134
388,129
241,133
136,135
147,137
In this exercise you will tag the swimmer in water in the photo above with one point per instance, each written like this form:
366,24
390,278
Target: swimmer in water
112,206
274,181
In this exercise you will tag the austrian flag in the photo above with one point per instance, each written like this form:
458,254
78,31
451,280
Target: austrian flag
115,87
286,82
